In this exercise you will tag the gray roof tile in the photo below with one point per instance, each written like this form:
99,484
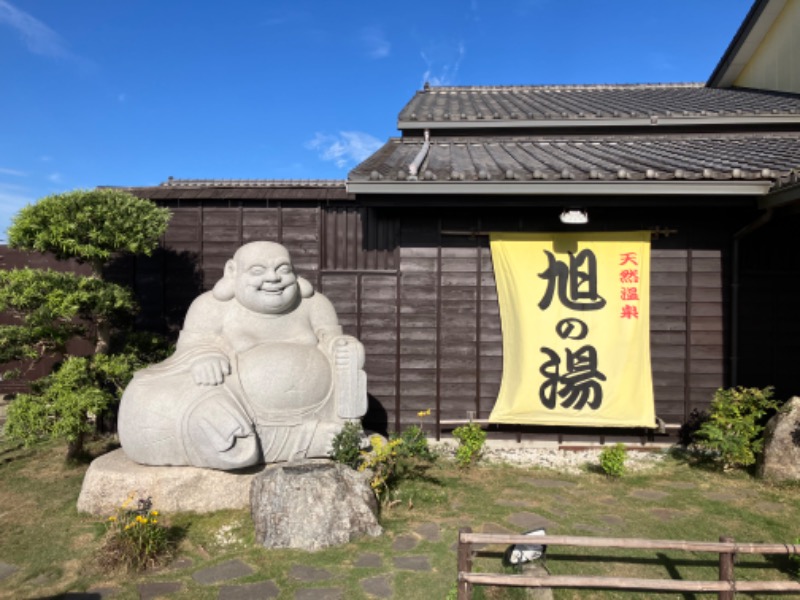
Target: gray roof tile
772,156
486,106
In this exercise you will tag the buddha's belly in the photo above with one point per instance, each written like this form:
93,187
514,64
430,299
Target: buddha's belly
284,381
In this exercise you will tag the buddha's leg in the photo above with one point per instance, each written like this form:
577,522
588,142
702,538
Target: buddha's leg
217,433
149,418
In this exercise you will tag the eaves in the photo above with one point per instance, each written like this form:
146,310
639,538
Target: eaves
590,123
563,188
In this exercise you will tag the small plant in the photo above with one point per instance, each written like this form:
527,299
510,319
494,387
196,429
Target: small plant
135,538
795,559
735,425
381,460
471,439
348,444
612,460
415,444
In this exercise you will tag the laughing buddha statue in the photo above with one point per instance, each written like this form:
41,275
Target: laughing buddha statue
261,373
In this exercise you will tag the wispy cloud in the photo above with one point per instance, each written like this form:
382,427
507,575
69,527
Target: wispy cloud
348,147
55,177
39,38
374,39
12,172
443,64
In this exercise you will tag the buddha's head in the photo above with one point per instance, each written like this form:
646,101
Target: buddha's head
261,277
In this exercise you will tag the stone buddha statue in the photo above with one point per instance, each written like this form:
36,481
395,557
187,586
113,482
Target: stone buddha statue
261,373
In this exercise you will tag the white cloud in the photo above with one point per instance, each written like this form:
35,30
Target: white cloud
55,177
374,39
12,172
39,38
443,64
348,147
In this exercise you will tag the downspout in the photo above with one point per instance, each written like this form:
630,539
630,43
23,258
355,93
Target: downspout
413,168
744,231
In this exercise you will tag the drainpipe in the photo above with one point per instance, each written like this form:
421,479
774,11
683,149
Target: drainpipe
413,168
744,231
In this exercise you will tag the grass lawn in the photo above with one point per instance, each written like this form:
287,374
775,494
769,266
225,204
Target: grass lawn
55,549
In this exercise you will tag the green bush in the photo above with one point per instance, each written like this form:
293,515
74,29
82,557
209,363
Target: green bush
50,308
404,456
347,445
733,432
612,460
471,439
415,444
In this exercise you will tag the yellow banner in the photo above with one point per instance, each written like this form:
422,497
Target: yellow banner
575,312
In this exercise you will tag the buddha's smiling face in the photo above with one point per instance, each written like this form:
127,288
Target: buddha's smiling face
265,280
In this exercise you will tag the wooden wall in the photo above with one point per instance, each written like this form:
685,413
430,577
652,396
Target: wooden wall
419,292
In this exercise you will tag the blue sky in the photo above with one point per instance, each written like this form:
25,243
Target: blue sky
130,92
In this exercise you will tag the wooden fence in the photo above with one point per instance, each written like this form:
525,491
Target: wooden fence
726,587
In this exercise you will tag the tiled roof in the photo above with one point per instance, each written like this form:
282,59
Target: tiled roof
506,106
253,183
246,189
763,156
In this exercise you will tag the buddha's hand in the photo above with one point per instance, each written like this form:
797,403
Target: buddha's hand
210,370
347,352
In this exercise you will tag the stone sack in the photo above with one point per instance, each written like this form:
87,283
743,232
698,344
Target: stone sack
312,504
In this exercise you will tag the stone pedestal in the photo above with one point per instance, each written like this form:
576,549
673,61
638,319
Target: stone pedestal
312,504
112,477
781,457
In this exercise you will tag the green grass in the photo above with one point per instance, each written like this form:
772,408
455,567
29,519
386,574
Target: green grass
55,548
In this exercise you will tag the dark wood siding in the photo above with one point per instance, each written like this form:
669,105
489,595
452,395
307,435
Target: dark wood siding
420,293
768,348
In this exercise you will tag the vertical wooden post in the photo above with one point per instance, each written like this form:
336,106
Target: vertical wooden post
464,565
726,568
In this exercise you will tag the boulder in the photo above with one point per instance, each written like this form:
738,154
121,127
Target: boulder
312,504
112,477
781,457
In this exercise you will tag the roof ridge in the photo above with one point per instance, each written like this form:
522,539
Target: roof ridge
577,86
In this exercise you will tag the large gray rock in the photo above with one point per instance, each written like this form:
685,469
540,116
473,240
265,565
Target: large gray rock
262,372
781,458
112,477
312,504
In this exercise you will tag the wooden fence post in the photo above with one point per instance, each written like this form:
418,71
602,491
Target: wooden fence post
464,565
726,568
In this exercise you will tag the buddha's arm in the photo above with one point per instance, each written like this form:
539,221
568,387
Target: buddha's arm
347,357
201,343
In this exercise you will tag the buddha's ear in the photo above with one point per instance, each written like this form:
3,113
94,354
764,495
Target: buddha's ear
306,289
225,288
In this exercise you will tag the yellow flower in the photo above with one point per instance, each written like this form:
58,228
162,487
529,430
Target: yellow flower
112,518
154,513
154,521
